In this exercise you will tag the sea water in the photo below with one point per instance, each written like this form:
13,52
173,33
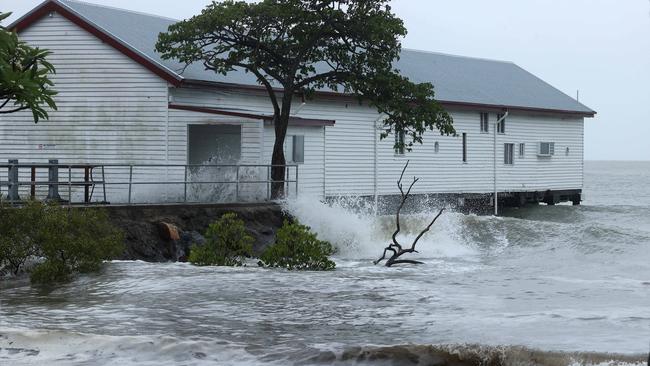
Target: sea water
557,279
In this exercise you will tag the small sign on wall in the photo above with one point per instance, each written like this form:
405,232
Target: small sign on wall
46,146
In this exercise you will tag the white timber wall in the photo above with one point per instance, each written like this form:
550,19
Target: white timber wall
445,172
258,141
110,108
349,149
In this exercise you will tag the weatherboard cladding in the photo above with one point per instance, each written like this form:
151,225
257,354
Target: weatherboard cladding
457,80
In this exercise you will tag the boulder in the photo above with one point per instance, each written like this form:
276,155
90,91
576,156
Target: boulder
169,232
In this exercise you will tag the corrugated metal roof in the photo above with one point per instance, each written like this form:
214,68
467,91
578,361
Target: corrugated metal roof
456,79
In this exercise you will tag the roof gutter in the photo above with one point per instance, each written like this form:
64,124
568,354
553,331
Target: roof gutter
444,103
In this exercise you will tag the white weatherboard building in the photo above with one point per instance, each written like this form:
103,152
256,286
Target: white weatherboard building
120,103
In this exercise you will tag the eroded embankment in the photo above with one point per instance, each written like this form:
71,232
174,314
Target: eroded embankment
165,232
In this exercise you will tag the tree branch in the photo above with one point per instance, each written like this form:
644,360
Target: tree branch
15,110
395,247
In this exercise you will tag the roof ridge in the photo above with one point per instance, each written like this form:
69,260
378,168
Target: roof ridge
64,2
458,56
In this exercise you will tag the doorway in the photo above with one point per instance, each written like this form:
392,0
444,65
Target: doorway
214,144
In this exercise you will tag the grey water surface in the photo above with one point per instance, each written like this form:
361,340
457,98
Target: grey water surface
560,278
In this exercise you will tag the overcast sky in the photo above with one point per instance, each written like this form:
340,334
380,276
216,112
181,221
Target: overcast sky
601,47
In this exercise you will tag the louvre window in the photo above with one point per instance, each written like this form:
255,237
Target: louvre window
464,147
501,126
294,148
485,122
508,153
436,147
522,150
298,149
546,149
399,139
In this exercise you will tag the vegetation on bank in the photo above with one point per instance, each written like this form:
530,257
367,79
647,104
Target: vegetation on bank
227,244
63,241
295,248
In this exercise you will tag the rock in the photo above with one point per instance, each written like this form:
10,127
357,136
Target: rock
168,231
162,233
184,245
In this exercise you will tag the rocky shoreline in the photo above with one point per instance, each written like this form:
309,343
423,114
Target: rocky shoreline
164,233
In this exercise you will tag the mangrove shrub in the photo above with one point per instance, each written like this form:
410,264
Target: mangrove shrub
20,234
76,240
226,243
66,240
297,248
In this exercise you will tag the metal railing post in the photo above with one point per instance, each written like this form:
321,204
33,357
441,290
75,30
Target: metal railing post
104,183
268,183
297,180
286,181
53,179
185,186
130,181
69,184
237,186
12,175
32,188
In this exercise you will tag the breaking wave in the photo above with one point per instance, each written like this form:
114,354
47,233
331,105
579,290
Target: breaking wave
29,347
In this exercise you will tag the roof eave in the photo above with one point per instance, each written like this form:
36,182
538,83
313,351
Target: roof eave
55,6
445,103
293,121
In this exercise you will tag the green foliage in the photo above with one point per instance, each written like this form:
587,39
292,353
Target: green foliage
297,248
69,240
297,47
227,243
76,240
19,239
24,76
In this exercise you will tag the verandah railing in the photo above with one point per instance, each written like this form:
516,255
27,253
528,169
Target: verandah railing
142,183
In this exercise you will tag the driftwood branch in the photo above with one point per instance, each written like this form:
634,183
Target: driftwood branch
395,247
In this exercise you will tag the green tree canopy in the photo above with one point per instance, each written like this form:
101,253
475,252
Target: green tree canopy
298,47
24,81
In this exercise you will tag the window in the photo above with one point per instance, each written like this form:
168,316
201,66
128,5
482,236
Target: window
436,147
566,152
298,149
464,147
399,139
522,150
501,126
485,122
546,149
508,153
294,148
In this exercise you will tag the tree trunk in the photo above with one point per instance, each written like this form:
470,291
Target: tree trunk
278,161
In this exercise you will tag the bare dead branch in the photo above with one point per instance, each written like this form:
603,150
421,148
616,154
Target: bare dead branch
395,247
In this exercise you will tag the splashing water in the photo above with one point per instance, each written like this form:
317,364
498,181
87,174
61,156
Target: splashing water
359,234
559,279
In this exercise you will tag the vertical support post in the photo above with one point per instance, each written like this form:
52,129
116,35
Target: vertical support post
32,188
53,180
495,198
104,183
86,185
297,167
12,174
237,186
69,184
185,186
287,185
268,182
130,181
